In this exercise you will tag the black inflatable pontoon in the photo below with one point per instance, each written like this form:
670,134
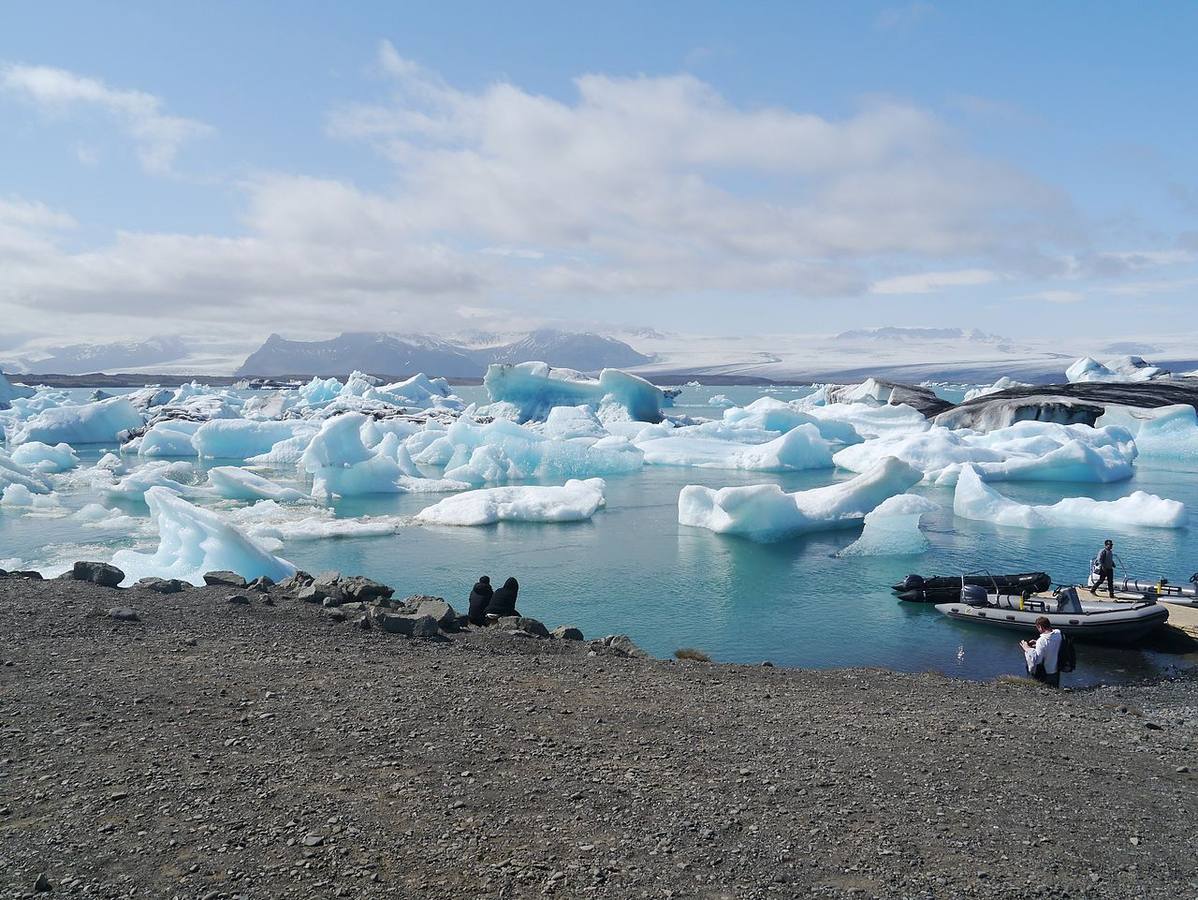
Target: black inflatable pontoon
947,588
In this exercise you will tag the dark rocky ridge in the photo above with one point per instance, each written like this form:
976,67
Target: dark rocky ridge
214,750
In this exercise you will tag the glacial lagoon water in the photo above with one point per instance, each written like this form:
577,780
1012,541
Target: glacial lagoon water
634,569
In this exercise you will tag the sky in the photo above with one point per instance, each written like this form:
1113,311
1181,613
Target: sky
225,170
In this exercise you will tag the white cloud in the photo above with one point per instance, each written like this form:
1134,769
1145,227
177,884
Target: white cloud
157,135
930,282
1055,296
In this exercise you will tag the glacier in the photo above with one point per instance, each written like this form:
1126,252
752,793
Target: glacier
892,528
192,541
764,512
974,499
574,501
534,389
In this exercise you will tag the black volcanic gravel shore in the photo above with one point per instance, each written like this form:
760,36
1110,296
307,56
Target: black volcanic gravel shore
217,750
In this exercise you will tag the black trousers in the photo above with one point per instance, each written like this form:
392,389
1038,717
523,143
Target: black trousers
1107,575
1053,680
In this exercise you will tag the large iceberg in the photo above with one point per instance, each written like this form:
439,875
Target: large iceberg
974,499
91,423
192,541
534,389
1165,433
1121,368
892,528
571,502
45,459
799,448
167,438
765,512
771,414
12,472
243,438
10,392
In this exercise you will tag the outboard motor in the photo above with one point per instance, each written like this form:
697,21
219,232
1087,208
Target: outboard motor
974,595
912,583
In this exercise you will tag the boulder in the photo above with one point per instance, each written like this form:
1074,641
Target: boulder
360,589
98,573
330,584
441,612
124,614
411,626
334,615
310,594
623,645
238,600
261,584
27,573
224,579
292,583
163,585
566,633
525,624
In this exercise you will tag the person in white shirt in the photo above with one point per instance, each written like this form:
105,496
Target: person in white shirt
1041,655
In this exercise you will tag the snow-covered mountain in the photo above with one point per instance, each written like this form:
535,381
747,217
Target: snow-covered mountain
391,354
84,359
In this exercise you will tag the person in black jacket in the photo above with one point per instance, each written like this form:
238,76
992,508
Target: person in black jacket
1106,568
480,599
503,602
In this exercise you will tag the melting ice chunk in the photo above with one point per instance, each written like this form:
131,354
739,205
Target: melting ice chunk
571,502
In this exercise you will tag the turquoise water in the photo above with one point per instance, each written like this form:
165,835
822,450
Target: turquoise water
634,569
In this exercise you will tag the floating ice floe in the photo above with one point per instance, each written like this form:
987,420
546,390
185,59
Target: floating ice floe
535,388
342,466
1121,368
95,515
271,522
168,438
171,476
1026,451
772,414
974,499
91,423
12,472
45,459
10,392
571,502
799,448
892,528
17,495
234,483
720,400
765,512
192,541
1164,433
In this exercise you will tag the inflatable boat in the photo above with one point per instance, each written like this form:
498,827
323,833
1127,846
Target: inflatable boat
1163,589
947,588
1115,622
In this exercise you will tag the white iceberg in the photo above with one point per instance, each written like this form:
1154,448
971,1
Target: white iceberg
243,438
720,400
572,422
974,499
892,528
1167,433
12,472
95,515
92,423
765,512
571,502
233,483
772,414
166,438
192,541
17,495
799,448
46,459
162,474
535,389
1121,368
10,392
271,522
1002,384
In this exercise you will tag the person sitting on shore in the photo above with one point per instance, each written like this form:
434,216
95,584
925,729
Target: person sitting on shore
503,602
1042,655
480,599
1106,568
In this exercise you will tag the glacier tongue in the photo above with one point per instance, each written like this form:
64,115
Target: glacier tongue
193,541
764,512
974,499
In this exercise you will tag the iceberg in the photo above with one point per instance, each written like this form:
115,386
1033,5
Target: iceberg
17,495
720,400
167,438
1002,384
800,448
268,521
771,414
858,421
10,392
160,474
92,423
974,499
94,515
572,422
764,512
535,388
1167,433
233,483
45,459
243,438
892,528
1121,368
12,472
571,502
192,541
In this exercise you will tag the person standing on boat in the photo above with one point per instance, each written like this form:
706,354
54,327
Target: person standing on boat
1106,568
1042,655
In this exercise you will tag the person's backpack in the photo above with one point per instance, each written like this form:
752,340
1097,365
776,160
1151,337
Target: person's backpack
1067,655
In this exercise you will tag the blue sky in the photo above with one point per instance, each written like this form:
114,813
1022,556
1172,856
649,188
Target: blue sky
228,169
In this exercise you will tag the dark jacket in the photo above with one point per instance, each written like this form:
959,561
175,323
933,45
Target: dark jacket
480,599
1106,559
503,602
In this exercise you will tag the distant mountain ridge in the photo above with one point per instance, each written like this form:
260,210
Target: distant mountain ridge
392,354
82,359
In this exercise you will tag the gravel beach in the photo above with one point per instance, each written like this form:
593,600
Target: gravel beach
265,749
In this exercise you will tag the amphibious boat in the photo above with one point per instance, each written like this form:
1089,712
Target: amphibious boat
1108,621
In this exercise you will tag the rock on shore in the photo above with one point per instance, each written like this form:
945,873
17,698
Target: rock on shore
265,749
